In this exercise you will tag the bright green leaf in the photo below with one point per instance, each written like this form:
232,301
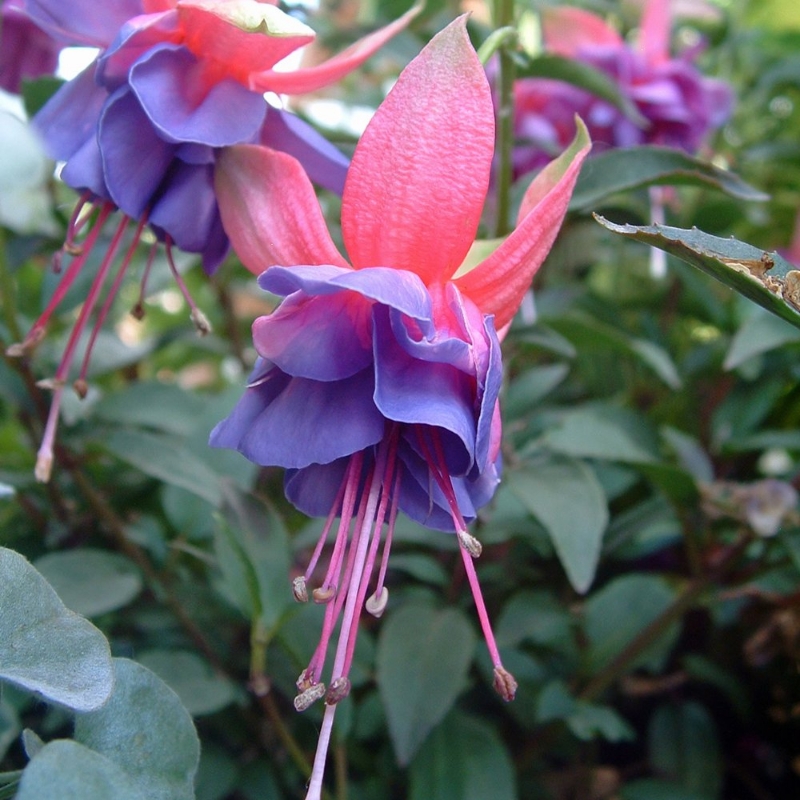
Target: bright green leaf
623,169
740,266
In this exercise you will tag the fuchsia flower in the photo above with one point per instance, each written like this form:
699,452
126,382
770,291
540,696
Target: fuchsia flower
140,129
25,51
378,379
680,106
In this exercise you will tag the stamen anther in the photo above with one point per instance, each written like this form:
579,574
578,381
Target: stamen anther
504,683
200,322
299,589
310,696
339,689
469,543
51,384
81,388
321,595
376,603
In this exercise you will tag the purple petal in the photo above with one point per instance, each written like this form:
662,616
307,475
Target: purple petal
296,422
323,162
131,43
313,489
84,170
324,338
172,87
71,115
398,289
424,393
82,21
25,50
185,207
135,157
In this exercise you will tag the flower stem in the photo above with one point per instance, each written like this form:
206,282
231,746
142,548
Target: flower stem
504,18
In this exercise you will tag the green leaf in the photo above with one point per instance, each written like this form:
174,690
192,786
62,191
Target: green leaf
614,615
650,789
527,389
252,551
145,731
534,617
683,746
623,169
464,759
603,432
759,334
151,404
742,267
565,496
578,74
90,581
45,647
199,688
69,771
422,662
166,459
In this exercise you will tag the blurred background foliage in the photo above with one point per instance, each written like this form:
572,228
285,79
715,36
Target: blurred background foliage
642,555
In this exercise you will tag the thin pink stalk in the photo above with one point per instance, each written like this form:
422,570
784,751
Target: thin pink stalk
483,615
312,564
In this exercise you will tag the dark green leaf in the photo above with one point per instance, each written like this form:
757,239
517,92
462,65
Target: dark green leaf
619,611
90,581
740,266
683,746
565,496
422,662
623,169
464,759
759,334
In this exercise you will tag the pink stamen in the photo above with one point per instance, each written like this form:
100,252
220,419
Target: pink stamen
349,619
138,309
37,330
107,303
44,457
199,319
387,543
312,564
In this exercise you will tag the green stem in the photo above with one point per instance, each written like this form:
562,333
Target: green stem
652,632
504,18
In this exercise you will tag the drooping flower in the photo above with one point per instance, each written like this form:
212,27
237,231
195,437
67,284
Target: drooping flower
26,52
377,383
140,129
678,105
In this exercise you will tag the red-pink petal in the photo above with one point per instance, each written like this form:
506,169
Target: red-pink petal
415,188
566,29
244,36
154,6
310,79
654,31
269,210
498,284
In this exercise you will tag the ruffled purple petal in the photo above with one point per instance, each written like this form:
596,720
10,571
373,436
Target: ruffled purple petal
424,393
398,289
296,422
135,157
186,209
71,115
323,162
83,22
324,338
174,91
131,43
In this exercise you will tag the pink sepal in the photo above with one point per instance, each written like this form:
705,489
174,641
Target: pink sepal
565,30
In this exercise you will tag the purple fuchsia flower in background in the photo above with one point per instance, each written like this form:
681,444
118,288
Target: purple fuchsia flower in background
378,379
140,129
679,106
26,51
